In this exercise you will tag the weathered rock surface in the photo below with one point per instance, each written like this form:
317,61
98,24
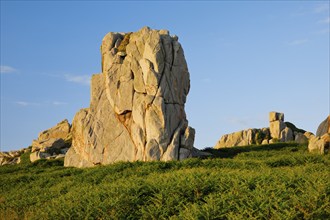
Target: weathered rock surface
324,127
137,103
52,141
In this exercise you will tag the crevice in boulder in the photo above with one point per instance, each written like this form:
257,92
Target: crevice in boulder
125,118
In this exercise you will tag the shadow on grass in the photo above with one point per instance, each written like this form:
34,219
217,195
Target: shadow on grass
233,151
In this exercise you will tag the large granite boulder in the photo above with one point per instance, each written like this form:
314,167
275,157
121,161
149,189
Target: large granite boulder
137,103
52,142
244,138
240,138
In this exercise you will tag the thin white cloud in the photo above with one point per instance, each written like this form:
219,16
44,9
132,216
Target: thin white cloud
298,42
24,103
59,103
324,21
321,8
80,79
7,69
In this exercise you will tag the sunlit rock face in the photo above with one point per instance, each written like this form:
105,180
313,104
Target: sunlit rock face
137,103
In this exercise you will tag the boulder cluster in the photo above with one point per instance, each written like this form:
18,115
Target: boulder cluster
279,131
12,157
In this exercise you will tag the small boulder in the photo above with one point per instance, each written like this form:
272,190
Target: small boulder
300,138
286,135
319,145
38,155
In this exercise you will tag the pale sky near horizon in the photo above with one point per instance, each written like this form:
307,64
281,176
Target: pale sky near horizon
245,58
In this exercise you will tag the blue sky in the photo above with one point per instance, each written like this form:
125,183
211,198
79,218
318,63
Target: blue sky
245,58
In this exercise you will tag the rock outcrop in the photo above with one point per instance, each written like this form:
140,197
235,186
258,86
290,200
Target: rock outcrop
12,157
52,143
278,131
137,103
321,142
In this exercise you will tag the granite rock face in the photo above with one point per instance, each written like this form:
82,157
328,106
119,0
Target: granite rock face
137,103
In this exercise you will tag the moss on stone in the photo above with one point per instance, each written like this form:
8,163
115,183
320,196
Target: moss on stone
124,42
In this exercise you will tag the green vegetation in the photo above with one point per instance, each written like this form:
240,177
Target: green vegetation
278,181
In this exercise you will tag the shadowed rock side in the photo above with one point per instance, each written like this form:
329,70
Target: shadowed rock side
324,127
137,103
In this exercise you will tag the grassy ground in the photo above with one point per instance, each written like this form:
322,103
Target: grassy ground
279,181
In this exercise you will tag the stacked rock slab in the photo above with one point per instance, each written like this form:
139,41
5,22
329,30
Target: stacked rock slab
137,103
52,143
321,142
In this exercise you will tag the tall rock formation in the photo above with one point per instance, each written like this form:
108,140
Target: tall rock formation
137,103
